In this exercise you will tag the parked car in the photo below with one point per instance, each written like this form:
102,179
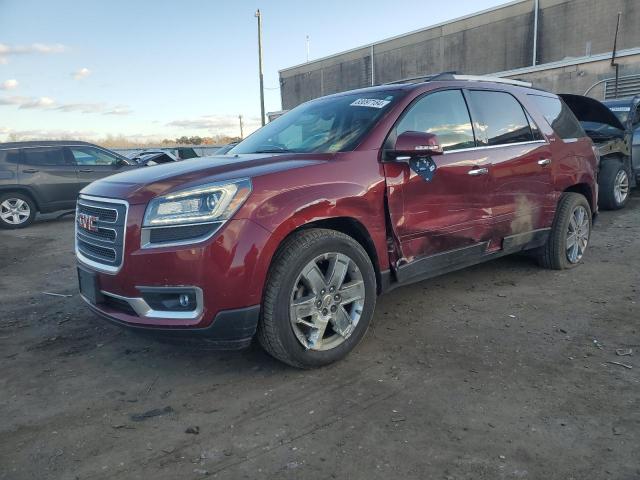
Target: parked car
47,176
613,138
339,200
154,157
223,150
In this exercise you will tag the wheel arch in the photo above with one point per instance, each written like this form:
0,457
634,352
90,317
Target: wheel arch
354,229
585,190
24,191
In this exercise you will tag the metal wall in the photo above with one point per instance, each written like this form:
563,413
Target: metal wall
495,40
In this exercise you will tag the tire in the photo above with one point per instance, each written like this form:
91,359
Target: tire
613,182
17,210
293,278
555,254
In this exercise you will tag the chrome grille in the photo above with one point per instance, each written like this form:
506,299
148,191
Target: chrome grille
101,245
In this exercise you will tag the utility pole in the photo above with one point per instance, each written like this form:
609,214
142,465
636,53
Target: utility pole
241,127
259,17
307,42
615,64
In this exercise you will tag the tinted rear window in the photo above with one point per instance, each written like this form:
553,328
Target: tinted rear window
500,119
559,116
44,156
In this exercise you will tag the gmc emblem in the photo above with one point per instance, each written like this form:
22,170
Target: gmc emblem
87,222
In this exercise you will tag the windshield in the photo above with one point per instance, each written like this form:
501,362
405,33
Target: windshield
327,125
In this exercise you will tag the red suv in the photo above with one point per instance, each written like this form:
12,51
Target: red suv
293,234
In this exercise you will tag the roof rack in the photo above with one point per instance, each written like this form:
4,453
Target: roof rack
424,78
454,76
486,78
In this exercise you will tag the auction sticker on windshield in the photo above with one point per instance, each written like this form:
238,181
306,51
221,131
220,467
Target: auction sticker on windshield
370,102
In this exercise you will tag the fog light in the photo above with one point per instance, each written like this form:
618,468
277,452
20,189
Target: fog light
168,299
184,300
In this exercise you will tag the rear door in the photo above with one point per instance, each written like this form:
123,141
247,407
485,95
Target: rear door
443,221
522,190
94,163
51,175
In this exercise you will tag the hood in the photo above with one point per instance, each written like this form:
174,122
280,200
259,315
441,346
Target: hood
587,109
141,184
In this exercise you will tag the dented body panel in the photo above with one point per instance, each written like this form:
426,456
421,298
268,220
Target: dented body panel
411,228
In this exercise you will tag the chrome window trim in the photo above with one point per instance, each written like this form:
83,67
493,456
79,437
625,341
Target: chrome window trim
145,236
490,147
143,309
101,267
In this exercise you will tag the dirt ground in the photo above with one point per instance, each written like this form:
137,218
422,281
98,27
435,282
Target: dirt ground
498,371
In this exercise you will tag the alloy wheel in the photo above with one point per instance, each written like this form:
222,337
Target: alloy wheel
578,234
621,187
14,211
327,301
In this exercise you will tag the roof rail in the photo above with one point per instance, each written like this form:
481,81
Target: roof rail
455,76
487,78
424,78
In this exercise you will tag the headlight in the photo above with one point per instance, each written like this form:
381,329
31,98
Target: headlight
214,202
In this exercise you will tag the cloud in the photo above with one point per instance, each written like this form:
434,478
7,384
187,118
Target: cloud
44,134
218,124
39,102
38,48
33,48
9,84
119,110
81,107
47,103
27,102
84,72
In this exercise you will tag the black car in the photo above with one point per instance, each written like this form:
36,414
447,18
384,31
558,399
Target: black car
613,128
47,176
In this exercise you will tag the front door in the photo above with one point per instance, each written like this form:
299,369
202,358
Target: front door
444,221
93,164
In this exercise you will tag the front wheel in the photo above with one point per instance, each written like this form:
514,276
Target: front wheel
569,235
614,185
319,299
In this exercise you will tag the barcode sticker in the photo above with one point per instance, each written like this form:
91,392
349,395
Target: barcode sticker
370,102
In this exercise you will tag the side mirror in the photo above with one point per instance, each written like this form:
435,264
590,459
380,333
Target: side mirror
416,144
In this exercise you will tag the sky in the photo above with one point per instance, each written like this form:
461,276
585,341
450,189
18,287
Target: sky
149,70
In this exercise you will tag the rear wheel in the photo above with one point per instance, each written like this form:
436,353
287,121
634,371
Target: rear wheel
569,235
614,185
17,210
319,299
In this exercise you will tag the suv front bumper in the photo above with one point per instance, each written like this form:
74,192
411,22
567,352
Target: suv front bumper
223,276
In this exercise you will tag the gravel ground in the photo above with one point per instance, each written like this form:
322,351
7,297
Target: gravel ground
499,371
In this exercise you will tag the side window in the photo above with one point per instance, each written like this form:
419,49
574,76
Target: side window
535,130
444,114
500,118
10,156
45,156
559,116
92,156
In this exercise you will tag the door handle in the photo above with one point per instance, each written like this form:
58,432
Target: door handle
86,170
544,162
29,170
478,171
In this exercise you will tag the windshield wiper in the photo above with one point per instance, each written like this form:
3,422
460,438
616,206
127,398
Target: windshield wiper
273,150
